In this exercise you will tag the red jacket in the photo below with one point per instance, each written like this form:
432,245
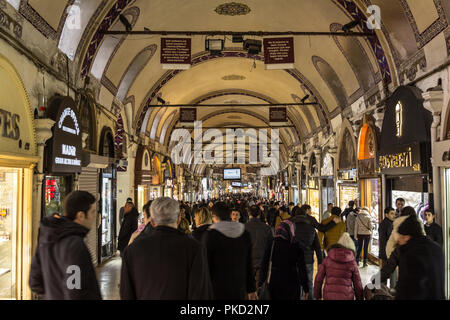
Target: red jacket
342,276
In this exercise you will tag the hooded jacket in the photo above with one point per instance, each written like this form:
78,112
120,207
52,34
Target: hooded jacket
229,250
392,242
307,238
421,270
342,281
260,234
363,224
62,257
129,225
332,236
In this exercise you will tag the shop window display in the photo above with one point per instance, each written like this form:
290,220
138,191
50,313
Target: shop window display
106,214
56,189
370,198
8,217
346,194
417,200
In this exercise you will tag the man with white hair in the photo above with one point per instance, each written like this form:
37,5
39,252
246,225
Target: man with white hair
166,264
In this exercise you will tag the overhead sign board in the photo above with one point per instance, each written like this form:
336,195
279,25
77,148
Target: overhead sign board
279,53
176,53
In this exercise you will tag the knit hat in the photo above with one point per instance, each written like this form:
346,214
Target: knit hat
347,242
411,227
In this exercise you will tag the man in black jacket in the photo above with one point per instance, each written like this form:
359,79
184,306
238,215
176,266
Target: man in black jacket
384,231
272,215
433,230
128,227
166,264
421,264
62,266
229,250
350,208
260,235
320,227
306,236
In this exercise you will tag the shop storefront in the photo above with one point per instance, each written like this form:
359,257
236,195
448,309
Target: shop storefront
369,182
294,185
17,161
168,179
62,154
405,150
326,181
303,184
143,177
107,189
441,159
156,181
346,186
313,194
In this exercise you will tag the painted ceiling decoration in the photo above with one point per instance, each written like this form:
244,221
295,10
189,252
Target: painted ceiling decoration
233,77
233,9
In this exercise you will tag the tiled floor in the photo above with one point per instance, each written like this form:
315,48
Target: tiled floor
108,275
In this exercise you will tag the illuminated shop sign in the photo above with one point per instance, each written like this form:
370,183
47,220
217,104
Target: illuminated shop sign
404,160
65,155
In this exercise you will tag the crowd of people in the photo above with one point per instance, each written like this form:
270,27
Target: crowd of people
238,248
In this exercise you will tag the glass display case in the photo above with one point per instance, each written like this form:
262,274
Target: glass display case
417,200
371,198
107,215
347,193
56,189
9,179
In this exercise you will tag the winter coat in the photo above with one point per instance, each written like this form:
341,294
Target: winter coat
229,251
384,231
392,242
350,223
434,232
60,248
280,218
200,231
306,236
421,271
271,216
363,224
260,234
342,281
288,270
129,225
332,236
165,265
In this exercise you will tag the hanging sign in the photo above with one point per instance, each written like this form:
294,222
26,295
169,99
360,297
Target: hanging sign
188,115
279,53
277,115
176,53
64,155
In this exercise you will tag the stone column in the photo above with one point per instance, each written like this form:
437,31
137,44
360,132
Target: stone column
433,102
43,133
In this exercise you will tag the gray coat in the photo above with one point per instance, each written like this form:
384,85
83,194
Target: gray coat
350,223
260,234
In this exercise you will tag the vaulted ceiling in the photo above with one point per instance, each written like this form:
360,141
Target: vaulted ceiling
334,71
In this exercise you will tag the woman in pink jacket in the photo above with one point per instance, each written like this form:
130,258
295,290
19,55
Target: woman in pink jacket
343,281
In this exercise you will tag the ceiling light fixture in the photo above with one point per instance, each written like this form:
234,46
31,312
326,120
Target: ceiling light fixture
125,22
252,46
214,46
349,26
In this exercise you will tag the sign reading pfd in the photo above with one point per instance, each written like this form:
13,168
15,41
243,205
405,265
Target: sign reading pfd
65,153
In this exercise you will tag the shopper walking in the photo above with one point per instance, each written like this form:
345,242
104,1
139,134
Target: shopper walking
62,267
350,208
146,228
384,232
122,210
350,226
167,264
307,238
128,227
421,265
363,233
432,229
203,221
333,235
260,235
283,215
288,273
229,251
340,272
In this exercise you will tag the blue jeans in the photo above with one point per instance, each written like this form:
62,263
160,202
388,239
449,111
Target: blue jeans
356,243
363,242
309,274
